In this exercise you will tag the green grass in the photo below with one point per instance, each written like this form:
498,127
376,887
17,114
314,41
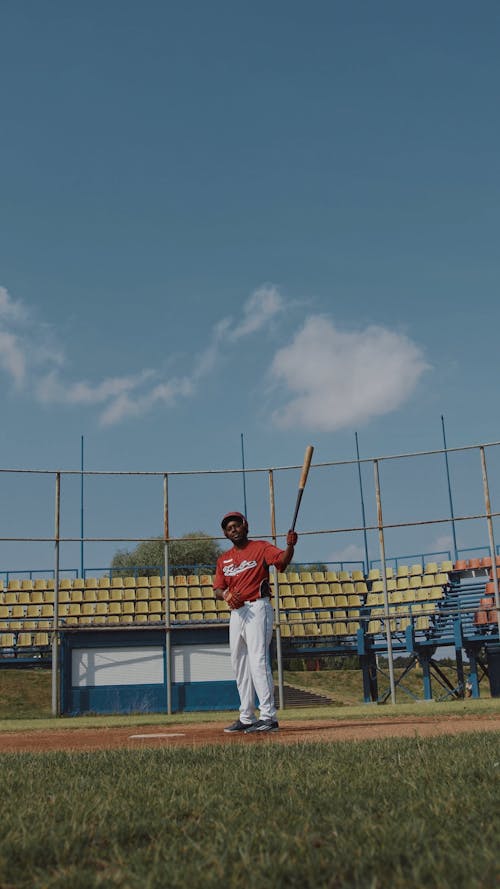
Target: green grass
25,703
396,813
345,687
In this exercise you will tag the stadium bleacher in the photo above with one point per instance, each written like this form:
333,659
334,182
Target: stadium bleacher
317,609
315,605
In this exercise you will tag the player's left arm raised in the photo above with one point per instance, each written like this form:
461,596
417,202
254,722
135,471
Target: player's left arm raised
291,540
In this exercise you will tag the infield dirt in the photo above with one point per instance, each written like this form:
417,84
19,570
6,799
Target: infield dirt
291,731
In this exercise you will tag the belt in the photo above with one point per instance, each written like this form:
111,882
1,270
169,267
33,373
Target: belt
264,595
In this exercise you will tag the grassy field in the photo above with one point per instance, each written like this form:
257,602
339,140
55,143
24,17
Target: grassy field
26,694
402,814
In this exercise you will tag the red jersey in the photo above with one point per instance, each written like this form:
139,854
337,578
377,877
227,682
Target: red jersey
243,569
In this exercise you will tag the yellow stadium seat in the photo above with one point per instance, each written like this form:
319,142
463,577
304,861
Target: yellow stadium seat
6,640
441,578
36,597
206,579
180,580
358,575
288,602
431,568
78,583
374,574
446,566
331,577
328,601
318,576
41,640
422,623
91,583
340,628
40,584
311,629
374,626
297,630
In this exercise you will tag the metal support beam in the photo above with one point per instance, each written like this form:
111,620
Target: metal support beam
380,523
279,653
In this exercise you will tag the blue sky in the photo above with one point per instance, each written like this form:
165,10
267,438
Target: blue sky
278,221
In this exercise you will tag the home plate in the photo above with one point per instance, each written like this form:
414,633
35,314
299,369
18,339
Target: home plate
161,735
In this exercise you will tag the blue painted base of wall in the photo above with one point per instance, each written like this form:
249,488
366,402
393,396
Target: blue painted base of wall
186,697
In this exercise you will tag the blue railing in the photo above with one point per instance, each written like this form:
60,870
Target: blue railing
158,569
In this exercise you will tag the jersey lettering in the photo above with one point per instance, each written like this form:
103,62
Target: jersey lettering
233,570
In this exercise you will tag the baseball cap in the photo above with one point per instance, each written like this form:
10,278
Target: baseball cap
232,515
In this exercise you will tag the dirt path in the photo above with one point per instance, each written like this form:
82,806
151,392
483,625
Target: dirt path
212,733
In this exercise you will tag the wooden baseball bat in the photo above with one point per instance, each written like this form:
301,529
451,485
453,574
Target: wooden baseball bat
302,483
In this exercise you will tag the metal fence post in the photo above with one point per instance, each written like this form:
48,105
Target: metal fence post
279,658
55,624
489,519
166,567
384,578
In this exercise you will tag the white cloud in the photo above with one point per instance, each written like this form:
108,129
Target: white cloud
10,309
12,358
335,379
31,358
330,379
263,304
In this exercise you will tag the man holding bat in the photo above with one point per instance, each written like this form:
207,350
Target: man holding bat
242,580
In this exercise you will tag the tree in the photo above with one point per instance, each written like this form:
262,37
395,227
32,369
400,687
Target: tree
148,556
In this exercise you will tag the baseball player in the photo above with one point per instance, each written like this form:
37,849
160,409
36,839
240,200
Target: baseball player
242,580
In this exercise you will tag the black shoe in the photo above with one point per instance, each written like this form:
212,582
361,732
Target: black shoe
263,725
238,726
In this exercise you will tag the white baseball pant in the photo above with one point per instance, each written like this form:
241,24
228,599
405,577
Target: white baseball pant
250,634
